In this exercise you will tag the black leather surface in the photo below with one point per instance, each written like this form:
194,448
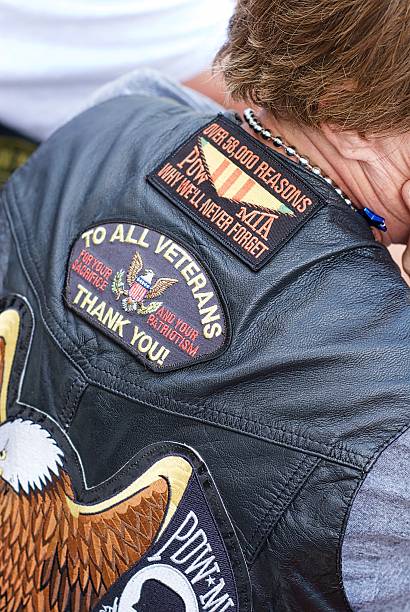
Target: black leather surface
314,384
242,474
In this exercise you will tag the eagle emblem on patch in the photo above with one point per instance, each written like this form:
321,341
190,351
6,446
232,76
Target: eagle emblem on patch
127,545
79,549
141,287
155,536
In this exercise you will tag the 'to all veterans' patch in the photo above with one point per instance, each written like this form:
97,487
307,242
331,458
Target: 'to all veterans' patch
148,293
237,190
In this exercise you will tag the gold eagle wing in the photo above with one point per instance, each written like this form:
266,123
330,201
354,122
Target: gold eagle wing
9,333
69,555
135,268
2,360
161,285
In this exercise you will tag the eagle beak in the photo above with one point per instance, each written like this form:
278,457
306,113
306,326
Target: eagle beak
1,472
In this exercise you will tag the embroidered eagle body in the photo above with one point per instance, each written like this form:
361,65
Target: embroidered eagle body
141,287
56,553
66,547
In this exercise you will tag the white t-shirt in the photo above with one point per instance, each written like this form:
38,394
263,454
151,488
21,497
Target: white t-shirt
55,53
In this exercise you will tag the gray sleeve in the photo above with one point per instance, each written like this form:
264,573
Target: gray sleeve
376,547
151,83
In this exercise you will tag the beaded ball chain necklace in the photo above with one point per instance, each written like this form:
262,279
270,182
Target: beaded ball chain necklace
370,216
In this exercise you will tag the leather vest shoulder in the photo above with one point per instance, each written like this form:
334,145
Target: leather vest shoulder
311,385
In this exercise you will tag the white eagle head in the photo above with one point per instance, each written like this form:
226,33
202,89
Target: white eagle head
28,455
148,275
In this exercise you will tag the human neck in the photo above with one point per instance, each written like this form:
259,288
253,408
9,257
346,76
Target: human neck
367,184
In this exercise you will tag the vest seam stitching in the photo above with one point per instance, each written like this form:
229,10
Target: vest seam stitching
67,398
286,432
382,446
304,470
91,381
72,401
88,364
268,518
76,350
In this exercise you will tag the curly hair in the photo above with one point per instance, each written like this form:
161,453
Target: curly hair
342,62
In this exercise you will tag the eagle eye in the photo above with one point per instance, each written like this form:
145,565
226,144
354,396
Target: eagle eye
3,454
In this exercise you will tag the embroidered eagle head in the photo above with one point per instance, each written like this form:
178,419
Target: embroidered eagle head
148,275
154,290
29,457
60,553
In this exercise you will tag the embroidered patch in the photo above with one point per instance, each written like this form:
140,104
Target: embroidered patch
237,190
9,331
148,293
188,568
15,331
155,532
113,545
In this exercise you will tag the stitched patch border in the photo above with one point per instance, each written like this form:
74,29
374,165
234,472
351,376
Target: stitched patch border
164,500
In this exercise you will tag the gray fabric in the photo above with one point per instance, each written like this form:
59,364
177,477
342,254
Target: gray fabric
376,548
152,83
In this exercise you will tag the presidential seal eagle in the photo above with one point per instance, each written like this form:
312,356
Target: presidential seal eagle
141,287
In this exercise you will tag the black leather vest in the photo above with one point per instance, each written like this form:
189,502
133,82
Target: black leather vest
288,414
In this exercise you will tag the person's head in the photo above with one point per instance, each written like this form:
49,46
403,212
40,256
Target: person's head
340,62
338,66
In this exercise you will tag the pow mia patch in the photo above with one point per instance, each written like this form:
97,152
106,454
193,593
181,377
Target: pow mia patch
148,293
196,562
237,190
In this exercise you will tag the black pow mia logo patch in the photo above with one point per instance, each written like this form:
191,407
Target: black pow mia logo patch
237,190
147,292
195,565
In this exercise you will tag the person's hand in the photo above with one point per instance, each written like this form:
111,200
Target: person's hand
406,255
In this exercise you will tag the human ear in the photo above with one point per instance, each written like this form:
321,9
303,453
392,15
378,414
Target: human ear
350,144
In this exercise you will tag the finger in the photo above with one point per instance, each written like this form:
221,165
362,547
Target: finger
405,192
406,259
406,255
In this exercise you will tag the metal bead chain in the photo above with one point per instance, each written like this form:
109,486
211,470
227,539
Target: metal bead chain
278,142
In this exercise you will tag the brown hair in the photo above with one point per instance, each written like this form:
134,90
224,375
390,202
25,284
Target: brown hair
351,55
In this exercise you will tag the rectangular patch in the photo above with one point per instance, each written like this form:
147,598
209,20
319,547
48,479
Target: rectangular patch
237,190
